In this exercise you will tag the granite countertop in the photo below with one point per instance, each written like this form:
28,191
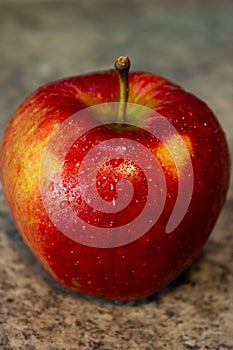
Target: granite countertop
189,42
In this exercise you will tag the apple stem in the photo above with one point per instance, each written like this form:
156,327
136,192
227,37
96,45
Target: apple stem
122,66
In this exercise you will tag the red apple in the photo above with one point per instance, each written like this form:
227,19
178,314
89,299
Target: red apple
182,158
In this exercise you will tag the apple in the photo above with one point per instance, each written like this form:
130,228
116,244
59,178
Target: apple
179,172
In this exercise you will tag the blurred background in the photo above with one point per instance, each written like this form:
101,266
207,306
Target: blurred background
190,43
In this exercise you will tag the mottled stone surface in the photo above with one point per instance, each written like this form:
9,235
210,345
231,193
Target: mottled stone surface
190,42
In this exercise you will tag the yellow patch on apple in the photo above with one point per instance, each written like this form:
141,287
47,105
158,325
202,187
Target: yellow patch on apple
174,153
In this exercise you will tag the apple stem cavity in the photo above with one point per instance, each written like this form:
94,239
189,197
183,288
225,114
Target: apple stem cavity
122,66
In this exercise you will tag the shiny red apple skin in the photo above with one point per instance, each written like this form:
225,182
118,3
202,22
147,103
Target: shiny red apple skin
144,266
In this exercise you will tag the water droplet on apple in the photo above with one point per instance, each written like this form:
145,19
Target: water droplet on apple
51,186
79,200
43,181
64,204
